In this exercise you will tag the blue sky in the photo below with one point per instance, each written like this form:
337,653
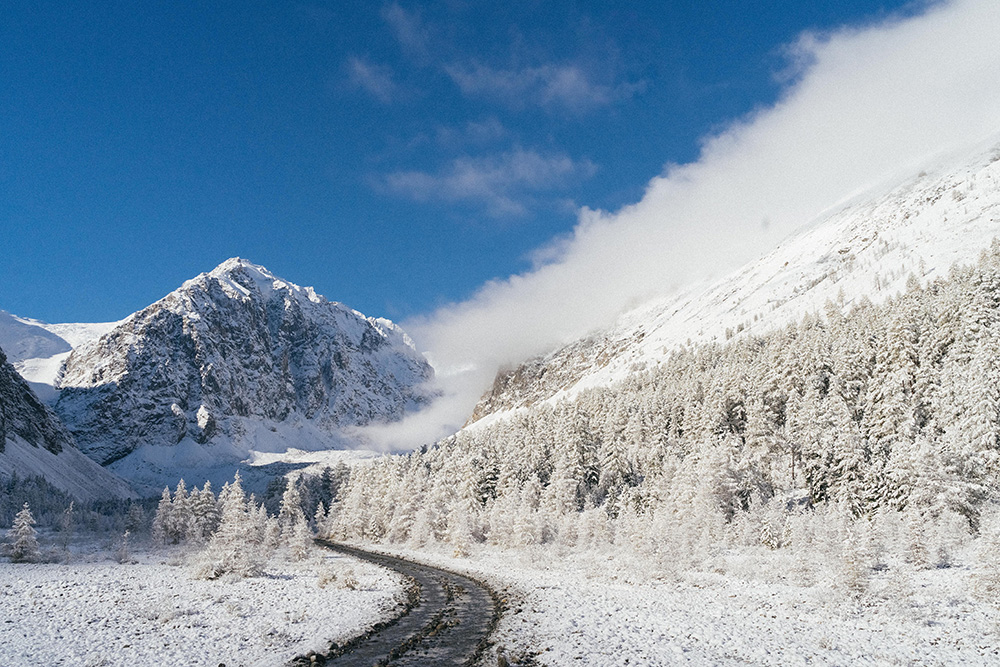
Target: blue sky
395,156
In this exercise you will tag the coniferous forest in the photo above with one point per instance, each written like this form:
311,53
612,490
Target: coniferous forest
864,429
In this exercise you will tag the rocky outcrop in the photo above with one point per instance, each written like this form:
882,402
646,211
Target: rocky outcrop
23,415
540,378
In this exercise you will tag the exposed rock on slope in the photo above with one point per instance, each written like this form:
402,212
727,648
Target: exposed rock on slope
34,442
233,356
542,377
24,416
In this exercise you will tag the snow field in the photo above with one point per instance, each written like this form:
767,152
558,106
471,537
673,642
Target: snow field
153,612
751,606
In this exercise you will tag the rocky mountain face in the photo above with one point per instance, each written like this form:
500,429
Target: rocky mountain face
542,377
23,415
34,442
868,249
228,351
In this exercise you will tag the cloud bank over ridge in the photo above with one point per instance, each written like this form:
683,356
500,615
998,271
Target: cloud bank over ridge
865,105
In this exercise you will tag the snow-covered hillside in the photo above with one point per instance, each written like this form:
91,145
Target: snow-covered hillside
34,442
38,349
868,248
234,360
25,339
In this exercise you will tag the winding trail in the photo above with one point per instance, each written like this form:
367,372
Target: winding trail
448,622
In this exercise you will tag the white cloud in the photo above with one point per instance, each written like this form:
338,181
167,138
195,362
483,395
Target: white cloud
503,184
869,104
549,86
408,27
377,80
572,85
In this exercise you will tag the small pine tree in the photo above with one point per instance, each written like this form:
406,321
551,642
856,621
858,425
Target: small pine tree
854,555
295,532
180,514
268,530
23,539
135,520
66,522
124,553
204,514
986,575
916,551
300,541
319,519
291,508
163,519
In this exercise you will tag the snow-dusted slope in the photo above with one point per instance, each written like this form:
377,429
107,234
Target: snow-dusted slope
33,442
38,349
25,339
867,249
75,333
234,360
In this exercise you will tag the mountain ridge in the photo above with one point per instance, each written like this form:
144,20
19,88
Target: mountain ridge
921,227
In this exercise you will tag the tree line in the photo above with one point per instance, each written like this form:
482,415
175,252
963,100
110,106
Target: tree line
861,410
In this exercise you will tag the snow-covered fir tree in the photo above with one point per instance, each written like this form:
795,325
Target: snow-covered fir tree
295,532
163,519
203,517
239,545
23,539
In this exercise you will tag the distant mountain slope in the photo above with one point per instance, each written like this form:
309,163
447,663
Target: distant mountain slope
867,249
23,339
34,442
232,360
37,349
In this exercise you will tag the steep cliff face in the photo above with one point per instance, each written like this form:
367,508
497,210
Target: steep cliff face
34,442
24,416
869,249
233,348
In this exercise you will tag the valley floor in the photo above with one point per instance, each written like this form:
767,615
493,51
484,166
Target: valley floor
755,608
153,612
602,607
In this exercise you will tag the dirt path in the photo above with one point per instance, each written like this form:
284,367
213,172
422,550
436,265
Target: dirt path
449,623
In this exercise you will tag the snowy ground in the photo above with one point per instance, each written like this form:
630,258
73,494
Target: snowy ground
153,612
601,610
314,461
750,607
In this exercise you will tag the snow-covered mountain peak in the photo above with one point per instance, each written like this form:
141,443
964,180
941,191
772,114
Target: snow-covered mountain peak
239,263
240,276
241,357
